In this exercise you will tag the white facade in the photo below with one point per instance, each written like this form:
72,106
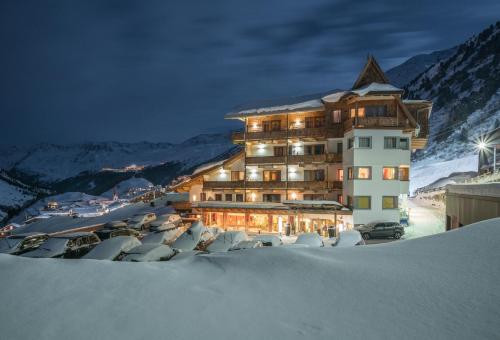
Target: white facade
376,157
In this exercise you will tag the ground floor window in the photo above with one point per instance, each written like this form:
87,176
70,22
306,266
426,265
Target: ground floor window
235,220
271,197
259,221
362,202
389,202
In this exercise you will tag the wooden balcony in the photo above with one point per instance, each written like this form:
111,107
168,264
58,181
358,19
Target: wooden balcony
308,185
335,185
181,206
223,185
334,157
319,132
238,137
306,159
266,160
266,185
262,135
373,122
418,143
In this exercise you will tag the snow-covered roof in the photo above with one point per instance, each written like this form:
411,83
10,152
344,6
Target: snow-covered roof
377,87
305,103
207,166
244,205
313,203
335,96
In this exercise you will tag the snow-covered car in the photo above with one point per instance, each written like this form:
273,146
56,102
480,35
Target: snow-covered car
172,218
115,225
208,235
190,238
269,240
22,243
310,240
111,249
161,237
73,245
349,238
105,234
247,244
161,225
141,221
8,229
149,252
224,241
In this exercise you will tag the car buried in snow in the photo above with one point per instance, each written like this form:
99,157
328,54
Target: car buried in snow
141,221
73,245
247,244
148,253
190,238
115,225
225,241
105,234
112,248
269,240
22,243
309,240
349,238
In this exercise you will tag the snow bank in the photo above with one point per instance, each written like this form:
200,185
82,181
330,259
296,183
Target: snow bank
438,287
430,170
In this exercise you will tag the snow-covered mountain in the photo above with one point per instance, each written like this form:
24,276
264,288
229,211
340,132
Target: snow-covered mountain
14,195
465,90
410,69
49,163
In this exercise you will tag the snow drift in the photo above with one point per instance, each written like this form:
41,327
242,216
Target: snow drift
438,287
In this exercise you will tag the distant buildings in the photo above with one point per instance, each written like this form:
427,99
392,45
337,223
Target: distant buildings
341,158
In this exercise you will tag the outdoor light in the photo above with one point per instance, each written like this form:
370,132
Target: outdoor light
253,196
294,196
481,145
222,173
194,198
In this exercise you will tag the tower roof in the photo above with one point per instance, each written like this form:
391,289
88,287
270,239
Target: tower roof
371,73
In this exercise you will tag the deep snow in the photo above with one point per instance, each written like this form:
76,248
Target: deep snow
438,287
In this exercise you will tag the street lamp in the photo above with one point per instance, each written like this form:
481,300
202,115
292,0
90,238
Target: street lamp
482,145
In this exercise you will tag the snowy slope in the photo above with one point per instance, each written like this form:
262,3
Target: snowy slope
416,289
13,197
51,163
123,188
410,69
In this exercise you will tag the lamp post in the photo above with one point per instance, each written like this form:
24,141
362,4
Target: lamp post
484,146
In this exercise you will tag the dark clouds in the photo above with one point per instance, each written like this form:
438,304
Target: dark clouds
165,70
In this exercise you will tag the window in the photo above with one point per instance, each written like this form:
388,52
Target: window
349,201
337,116
390,142
266,126
404,143
389,202
309,122
362,172
239,197
389,173
340,174
271,197
339,147
319,121
314,175
349,173
340,198
229,197
203,196
237,175
314,197
279,150
272,175
362,202
376,110
316,149
353,113
350,143
365,142
361,111
275,125
404,173
218,197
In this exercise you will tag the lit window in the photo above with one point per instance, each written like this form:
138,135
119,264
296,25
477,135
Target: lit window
389,202
404,173
390,142
389,173
404,143
337,116
363,172
353,113
362,202
365,142
349,173
361,112
340,174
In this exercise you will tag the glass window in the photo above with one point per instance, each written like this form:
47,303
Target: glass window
349,173
203,196
239,197
237,175
389,202
218,197
376,110
353,113
404,173
337,116
404,143
319,121
271,197
365,142
340,174
350,143
229,197
389,173
363,172
314,175
272,175
361,111
390,142
362,202
279,150
319,149
275,125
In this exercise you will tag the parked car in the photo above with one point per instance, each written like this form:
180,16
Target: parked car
149,252
310,240
115,225
381,230
161,224
104,234
22,243
172,218
72,245
161,237
349,238
269,240
141,221
112,248
226,240
247,244
190,238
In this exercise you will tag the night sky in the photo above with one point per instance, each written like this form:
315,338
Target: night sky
130,71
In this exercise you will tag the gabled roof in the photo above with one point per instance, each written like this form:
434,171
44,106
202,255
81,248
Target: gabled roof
371,73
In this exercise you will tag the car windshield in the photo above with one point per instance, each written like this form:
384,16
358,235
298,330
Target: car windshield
54,244
136,218
13,241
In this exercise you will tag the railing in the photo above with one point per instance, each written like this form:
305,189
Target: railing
334,157
266,184
238,136
182,205
326,132
335,185
373,122
278,134
307,185
222,184
265,160
306,159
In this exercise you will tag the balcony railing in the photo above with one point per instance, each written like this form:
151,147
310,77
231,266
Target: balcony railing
266,160
277,134
335,185
223,184
307,159
322,132
266,184
308,185
373,122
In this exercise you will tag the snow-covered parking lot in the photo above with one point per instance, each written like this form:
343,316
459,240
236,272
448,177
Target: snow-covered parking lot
437,287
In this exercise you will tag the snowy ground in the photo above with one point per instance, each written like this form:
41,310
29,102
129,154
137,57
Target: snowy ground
436,287
424,220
